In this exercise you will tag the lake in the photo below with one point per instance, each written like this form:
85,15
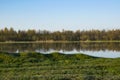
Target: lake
96,49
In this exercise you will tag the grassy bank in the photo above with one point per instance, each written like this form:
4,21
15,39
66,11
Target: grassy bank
57,66
54,41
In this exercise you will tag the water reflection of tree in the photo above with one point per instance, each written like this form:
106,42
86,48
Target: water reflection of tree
61,46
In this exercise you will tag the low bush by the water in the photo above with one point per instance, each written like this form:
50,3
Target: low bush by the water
57,66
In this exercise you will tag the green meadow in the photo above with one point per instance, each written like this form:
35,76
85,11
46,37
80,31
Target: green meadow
57,66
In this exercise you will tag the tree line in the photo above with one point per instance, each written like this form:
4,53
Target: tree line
64,35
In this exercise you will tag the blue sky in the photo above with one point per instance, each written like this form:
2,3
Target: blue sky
60,14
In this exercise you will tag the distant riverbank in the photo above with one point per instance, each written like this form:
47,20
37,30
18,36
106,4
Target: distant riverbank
53,41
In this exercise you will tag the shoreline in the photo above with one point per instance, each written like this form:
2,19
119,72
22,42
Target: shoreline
55,41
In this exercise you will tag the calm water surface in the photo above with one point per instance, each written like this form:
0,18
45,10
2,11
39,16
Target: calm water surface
106,49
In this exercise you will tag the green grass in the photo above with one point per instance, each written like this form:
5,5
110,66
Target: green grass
57,66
